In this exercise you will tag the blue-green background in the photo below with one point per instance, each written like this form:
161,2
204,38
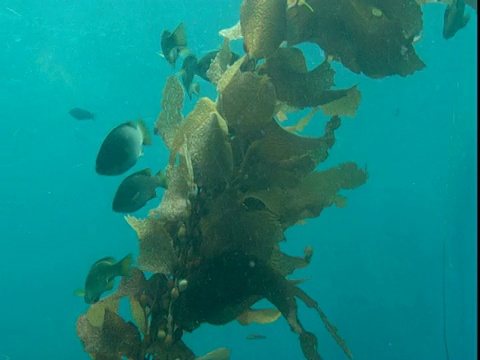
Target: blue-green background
377,266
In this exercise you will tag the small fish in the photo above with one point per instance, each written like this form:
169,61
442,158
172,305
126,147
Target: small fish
173,44
218,354
189,69
256,337
204,63
454,18
101,277
136,190
122,147
81,114
308,253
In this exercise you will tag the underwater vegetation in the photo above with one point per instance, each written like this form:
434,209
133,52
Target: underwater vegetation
237,179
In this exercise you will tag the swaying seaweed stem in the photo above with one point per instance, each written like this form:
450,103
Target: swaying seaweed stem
330,327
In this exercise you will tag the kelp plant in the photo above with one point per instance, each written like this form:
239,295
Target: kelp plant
237,179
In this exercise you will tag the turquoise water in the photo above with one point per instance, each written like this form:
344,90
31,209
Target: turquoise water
378,265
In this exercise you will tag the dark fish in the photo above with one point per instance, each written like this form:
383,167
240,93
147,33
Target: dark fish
204,63
81,114
189,68
454,18
121,148
308,253
101,277
256,337
136,190
173,44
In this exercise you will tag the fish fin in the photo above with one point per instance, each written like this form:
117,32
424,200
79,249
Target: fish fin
195,88
142,127
153,194
172,57
281,116
161,178
218,354
109,260
183,52
79,292
417,38
145,172
180,35
125,266
128,123
110,284
296,282
304,2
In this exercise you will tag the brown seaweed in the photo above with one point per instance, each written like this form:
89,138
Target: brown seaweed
370,36
237,178
264,26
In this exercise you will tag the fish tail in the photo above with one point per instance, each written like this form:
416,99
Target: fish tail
184,52
142,127
125,266
195,88
180,36
161,178
304,2
79,292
